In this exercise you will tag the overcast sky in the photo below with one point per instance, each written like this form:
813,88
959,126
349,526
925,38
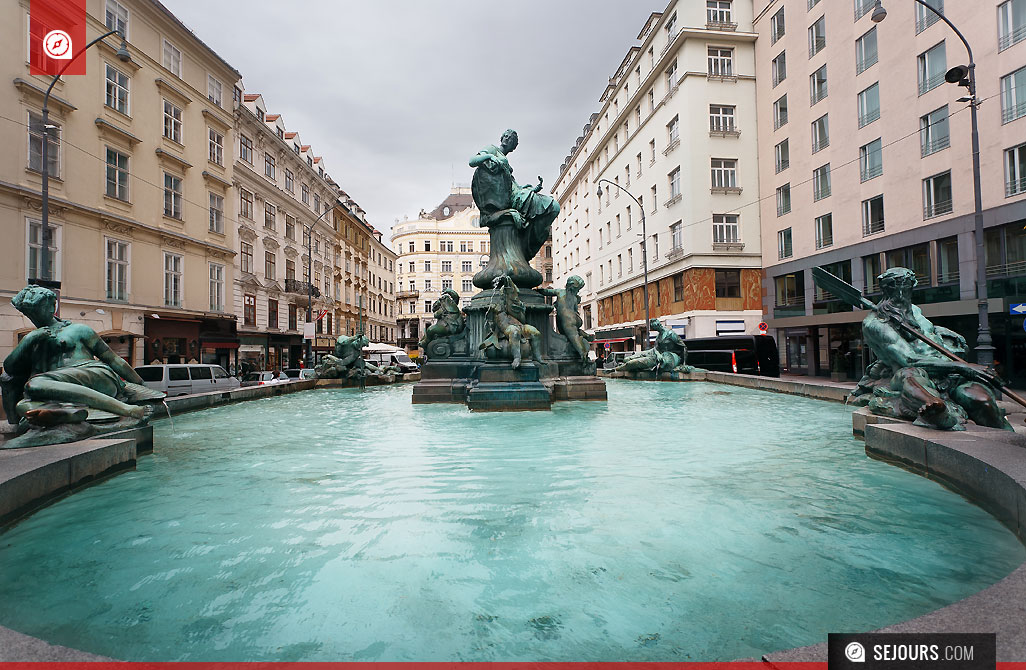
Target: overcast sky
397,96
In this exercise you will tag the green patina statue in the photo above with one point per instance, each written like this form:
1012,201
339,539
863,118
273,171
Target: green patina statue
668,355
62,373
518,217
912,379
507,332
568,321
449,318
347,361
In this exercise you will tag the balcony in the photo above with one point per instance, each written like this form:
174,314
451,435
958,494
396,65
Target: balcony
937,209
871,171
404,295
1015,187
726,190
931,83
818,44
675,253
720,25
735,246
869,117
863,64
674,143
673,201
782,165
301,288
933,146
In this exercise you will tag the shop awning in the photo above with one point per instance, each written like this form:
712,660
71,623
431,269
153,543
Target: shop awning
615,339
220,345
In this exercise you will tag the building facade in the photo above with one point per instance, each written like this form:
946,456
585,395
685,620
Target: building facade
439,250
141,170
677,131
866,164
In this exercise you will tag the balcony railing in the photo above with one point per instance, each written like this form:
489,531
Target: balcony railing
948,277
724,131
869,117
1015,187
1013,268
862,7
937,209
728,190
673,201
935,145
863,64
931,83
818,44
301,287
820,145
1014,37
783,165
403,295
720,25
1014,112
783,209
925,20
871,172
674,253
674,143
872,227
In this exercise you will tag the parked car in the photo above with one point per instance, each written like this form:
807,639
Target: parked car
265,377
300,373
744,354
175,380
386,354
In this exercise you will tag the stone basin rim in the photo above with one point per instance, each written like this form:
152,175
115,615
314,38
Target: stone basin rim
975,613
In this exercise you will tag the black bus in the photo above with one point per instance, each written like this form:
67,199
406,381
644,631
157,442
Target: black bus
745,354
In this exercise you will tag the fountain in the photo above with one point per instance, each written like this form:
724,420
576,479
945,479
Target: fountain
501,353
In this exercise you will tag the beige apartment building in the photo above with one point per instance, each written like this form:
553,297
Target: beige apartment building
677,129
441,249
866,164
141,170
379,310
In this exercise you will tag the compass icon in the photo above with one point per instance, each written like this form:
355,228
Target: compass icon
57,45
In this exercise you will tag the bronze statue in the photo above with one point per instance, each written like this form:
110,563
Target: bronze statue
63,373
347,361
668,355
449,318
568,321
912,379
507,331
518,217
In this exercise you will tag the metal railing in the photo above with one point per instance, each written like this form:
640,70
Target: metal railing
872,227
931,83
863,64
299,286
869,117
783,209
783,165
1013,268
925,20
935,145
937,209
779,121
821,144
1015,187
1014,37
817,45
948,277
1014,112
869,172
863,7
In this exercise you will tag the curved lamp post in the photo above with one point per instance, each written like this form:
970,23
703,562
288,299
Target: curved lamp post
965,75
644,248
124,57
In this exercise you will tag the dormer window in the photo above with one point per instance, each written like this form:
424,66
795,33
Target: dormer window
309,161
281,133
295,147
445,211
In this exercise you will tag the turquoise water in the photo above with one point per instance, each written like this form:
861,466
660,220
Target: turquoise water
676,522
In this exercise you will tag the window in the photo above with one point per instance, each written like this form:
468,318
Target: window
53,147
216,213
937,195
306,194
780,112
445,245
671,24
427,266
116,89
269,165
216,146
678,287
655,204
674,179
721,64
172,280
172,196
484,247
820,133
783,199
784,249
1015,170
821,182
783,156
468,266
871,160
116,17
293,317
725,229
924,17
872,216
865,51
933,131
214,90
817,36
245,203
34,251
446,266
272,313
172,122
172,59
777,26
1013,95
869,105
863,7
671,81
1011,23
824,231
672,132
117,175
778,66
728,283
270,262
721,118
117,270
932,65
317,202
818,85
427,245
246,253
446,284
249,310
717,12
216,287
724,173
290,227
269,216
246,149
290,269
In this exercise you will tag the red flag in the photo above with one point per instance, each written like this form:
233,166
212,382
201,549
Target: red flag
57,32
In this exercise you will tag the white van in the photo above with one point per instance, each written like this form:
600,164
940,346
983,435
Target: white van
175,380
385,354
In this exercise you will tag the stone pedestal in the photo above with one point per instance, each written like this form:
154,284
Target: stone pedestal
458,371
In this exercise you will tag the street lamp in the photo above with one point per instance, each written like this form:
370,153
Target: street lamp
309,277
965,75
644,247
44,254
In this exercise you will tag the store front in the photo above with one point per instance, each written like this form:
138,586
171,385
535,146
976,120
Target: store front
609,340
172,340
795,357
121,343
